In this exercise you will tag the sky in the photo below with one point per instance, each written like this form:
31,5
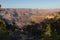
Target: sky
42,4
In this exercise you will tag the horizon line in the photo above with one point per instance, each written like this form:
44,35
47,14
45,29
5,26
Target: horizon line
30,8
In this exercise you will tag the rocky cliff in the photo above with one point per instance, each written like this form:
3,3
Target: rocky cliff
24,16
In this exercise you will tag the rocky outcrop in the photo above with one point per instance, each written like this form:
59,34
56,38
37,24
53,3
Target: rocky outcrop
23,16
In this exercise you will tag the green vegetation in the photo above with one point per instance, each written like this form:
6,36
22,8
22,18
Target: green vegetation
52,28
4,34
2,25
48,30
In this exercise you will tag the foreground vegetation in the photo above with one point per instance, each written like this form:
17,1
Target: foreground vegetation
48,29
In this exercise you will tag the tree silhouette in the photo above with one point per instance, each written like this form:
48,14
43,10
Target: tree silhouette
33,30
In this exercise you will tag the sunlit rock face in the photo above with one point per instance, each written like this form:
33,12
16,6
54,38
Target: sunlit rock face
23,16
49,16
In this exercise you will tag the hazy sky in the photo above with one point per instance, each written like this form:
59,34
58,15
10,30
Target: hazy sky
30,3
